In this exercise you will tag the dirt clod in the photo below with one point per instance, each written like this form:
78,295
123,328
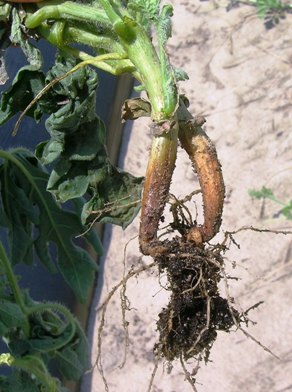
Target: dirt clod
188,325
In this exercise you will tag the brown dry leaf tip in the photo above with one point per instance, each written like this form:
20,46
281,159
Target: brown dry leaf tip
135,108
204,158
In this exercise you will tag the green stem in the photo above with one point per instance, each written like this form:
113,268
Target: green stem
142,54
68,10
14,286
75,34
155,73
34,365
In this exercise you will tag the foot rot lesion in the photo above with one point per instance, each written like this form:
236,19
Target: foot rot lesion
202,153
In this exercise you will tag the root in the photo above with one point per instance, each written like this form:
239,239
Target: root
189,377
153,375
244,318
103,309
188,325
260,230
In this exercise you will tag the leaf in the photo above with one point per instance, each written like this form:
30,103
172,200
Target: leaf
3,73
180,75
144,12
4,40
17,37
69,364
20,228
164,28
135,108
73,360
11,316
287,211
116,198
90,235
35,369
47,343
264,193
19,381
48,151
77,150
52,224
26,84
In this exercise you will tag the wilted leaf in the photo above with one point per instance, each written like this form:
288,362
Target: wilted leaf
25,86
17,37
116,198
135,108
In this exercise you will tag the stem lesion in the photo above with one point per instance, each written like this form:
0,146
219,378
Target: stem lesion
156,187
203,156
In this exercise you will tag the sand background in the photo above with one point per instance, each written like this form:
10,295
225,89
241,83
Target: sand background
240,80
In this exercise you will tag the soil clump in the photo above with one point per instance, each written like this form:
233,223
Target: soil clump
188,325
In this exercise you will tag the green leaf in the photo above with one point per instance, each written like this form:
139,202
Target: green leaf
116,198
25,86
49,151
5,10
49,343
78,153
17,37
164,24
20,228
180,75
144,12
287,211
264,193
11,316
3,73
19,381
52,224
73,360
69,364
90,235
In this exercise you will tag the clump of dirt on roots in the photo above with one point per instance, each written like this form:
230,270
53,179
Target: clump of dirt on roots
188,325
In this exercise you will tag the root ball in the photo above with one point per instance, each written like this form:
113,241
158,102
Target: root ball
188,325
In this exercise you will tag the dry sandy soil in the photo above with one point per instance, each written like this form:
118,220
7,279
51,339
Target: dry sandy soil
240,79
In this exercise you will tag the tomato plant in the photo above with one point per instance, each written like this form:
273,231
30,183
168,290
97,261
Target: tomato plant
115,36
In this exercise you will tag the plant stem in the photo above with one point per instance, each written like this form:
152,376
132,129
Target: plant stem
34,365
67,10
75,34
142,54
203,156
14,286
156,188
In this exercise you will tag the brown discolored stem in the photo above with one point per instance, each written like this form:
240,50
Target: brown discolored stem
204,158
156,187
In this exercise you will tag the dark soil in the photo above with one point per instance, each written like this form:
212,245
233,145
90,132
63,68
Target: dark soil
188,325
